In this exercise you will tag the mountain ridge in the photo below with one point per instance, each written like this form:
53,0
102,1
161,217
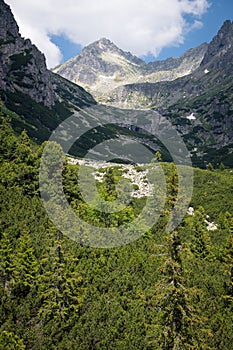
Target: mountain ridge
102,66
215,68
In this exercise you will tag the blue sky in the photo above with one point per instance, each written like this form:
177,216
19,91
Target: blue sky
163,28
212,21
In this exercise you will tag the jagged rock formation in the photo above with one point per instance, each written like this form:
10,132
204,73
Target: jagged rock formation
186,62
219,52
102,66
22,65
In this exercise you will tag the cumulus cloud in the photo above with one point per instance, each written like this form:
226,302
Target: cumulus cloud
134,25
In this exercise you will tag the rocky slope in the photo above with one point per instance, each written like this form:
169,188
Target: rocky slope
102,67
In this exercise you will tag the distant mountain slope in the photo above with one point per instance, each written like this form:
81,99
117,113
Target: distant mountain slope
214,70
102,66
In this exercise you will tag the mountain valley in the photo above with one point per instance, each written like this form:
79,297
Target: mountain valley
116,225
197,84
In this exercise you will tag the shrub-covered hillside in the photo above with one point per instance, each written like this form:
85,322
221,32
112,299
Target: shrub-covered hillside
160,292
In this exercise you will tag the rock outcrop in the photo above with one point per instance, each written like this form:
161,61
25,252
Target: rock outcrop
220,50
22,65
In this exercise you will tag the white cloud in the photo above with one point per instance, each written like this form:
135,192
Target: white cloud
134,25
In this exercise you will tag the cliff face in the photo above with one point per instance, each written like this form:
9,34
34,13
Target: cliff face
22,65
220,50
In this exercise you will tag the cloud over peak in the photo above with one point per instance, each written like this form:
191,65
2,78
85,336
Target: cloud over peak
133,25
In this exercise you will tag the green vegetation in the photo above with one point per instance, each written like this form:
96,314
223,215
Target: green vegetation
160,292
37,119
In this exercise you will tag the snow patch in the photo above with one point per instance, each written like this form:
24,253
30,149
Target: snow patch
206,71
191,117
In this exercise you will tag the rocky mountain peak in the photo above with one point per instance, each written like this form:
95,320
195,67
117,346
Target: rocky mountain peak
226,28
104,43
22,65
220,48
102,66
102,46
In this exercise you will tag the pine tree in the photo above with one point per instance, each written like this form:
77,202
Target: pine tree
25,266
158,156
10,341
228,263
18,162
51,172
222,166
177,324
6,258
177,198
8,140
23,152
210,167
61,293
201,245
172,186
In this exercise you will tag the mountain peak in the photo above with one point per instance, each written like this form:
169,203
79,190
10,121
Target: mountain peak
101,62
227,26
220,49
102,66
100,45
103,45
104,41
225,31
